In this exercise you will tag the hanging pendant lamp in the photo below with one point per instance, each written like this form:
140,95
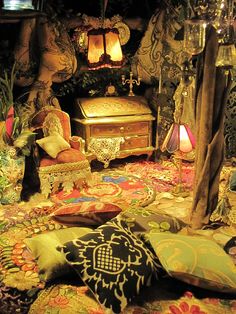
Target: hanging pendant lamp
16,5
104,47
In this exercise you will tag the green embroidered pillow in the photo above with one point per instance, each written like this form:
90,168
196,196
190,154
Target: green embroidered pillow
195,260
113,262
52,263
141,220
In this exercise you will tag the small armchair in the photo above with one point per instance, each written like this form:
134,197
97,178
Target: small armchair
62,162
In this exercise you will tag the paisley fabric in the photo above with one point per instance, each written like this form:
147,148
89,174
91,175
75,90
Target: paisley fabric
90,213
66,299
18,266
113,262
196,260
158,51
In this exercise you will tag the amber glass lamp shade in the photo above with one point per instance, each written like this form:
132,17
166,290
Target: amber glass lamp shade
194,36
17,5
226,56
179,138
104,49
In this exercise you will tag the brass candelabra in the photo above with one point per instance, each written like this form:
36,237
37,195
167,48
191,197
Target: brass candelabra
131,82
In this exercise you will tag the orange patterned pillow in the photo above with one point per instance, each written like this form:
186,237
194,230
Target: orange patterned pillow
70,155
90,213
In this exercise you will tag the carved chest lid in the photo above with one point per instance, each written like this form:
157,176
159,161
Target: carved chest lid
111,106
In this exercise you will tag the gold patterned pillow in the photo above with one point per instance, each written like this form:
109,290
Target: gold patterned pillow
195,260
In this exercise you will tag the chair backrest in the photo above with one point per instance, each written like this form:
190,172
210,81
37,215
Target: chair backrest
51,120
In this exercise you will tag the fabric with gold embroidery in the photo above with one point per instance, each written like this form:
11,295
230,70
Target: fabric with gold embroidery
52,124
66,175
105,149
113,262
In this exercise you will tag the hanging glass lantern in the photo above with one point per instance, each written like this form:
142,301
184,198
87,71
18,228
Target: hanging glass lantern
18,5
194,36
104,49
226,56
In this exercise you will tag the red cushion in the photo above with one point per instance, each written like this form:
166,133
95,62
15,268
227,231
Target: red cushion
70,155
90,213
47,161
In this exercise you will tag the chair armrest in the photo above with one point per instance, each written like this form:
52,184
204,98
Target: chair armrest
77,142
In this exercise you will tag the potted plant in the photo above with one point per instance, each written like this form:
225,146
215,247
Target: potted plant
15,143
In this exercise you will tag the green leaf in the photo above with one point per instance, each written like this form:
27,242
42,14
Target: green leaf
25,138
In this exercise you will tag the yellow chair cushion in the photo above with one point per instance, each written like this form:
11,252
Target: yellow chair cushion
53,144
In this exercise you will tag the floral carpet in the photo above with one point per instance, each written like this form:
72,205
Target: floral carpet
162,175
112,186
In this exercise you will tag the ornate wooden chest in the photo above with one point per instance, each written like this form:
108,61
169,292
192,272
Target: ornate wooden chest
113,127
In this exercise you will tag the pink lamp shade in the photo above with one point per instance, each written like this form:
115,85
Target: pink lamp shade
104,49
179,138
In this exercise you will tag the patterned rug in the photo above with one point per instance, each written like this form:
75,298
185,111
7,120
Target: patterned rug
23,292
111,186
63,299
163,176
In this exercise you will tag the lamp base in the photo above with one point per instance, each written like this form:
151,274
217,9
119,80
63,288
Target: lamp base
180,191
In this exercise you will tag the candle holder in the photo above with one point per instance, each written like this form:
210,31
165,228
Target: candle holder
131,82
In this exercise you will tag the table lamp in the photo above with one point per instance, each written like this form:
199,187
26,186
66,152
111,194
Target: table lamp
179,140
